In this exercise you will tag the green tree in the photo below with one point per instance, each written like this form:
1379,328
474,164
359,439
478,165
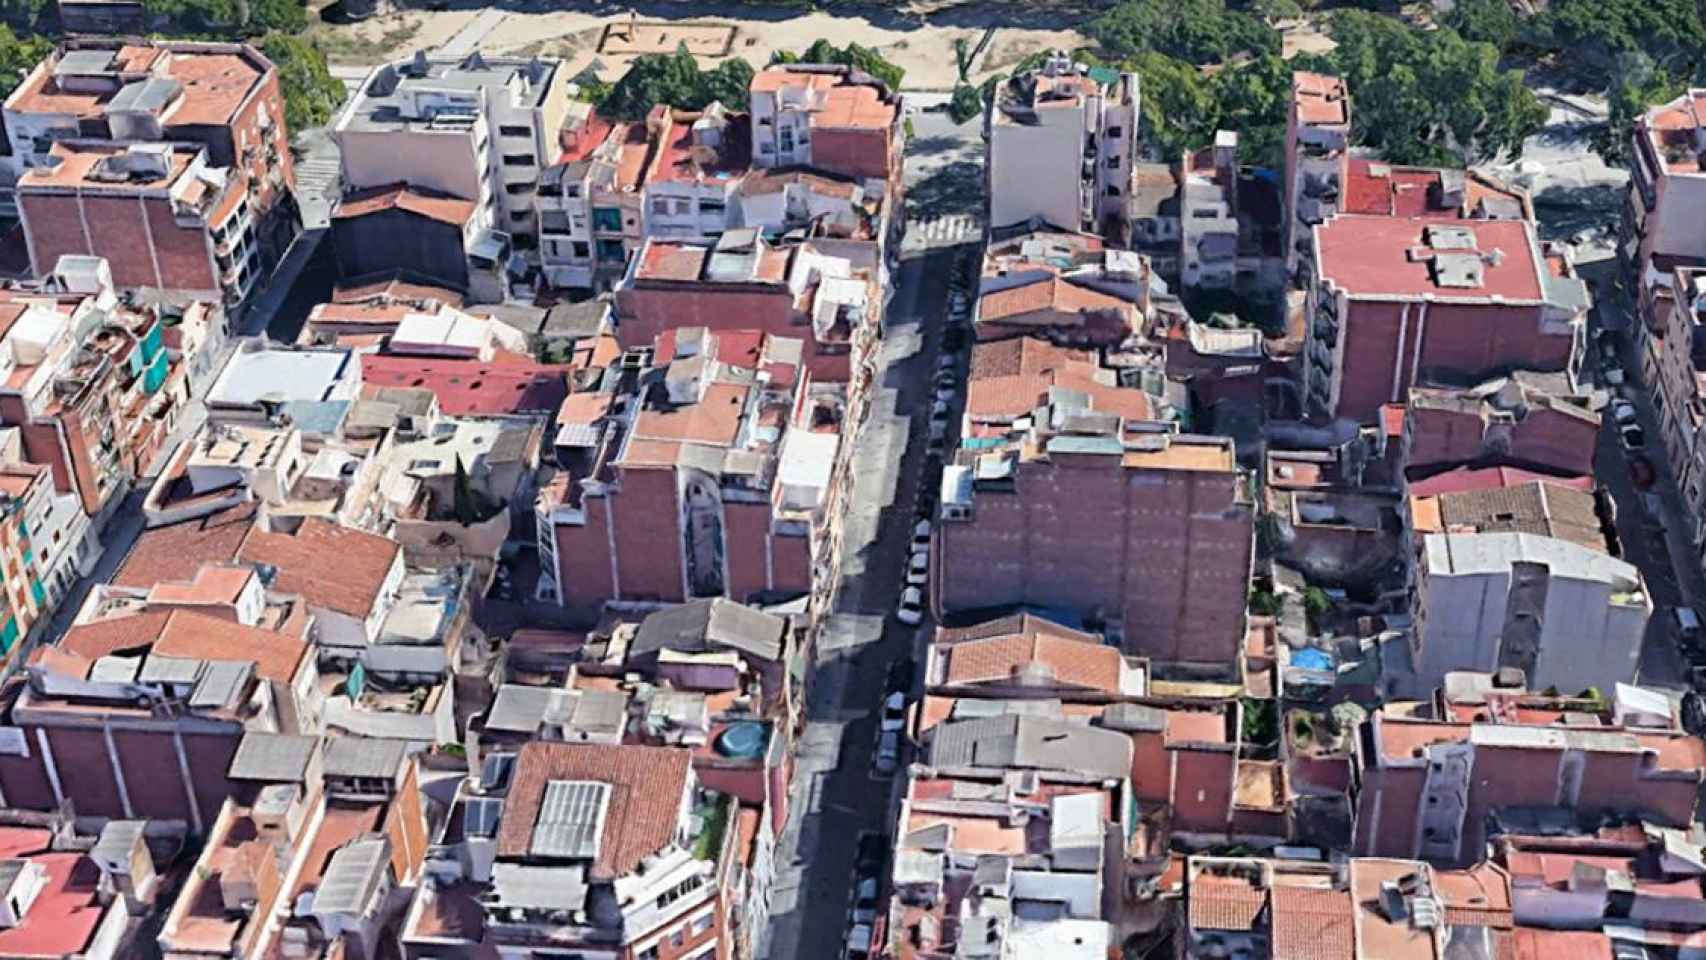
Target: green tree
467,509
966,103
1485,21
18,57
1252,98
1399,75
729,83
1201,31
853,55
1595,33
1178,105
311,93
675,79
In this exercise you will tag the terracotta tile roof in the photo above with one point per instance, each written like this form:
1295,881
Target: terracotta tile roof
1320,98
1310,924
394,288
470,387
103,638
62,919
177,551
1071,662
198,636
1026,356
398,196
211,585
330,566
647,787
1488,478
856,107
1051,293
1224,903
715,419
1015,396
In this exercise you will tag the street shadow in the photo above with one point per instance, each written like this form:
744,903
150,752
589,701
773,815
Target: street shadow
1564,211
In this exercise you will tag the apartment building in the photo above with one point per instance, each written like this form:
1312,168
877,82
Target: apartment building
826,293
712,467
93,386
26,490
1661,227
478,129
1062,139
223,97
1433,788
71,894
161,215
1062,286
1400,300
1317,148
1671,360
614,850
1527,421
1569,616
1054,490
830,118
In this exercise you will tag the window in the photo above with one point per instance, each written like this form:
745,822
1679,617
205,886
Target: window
660,207
519,216
520,160
572,190
703,923
711,206
650,953
677,938
517,189
1113,133
611,251
513,131
580,251
1113,163
683,206
607,218
1113,191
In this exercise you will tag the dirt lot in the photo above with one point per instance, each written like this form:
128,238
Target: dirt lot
923,47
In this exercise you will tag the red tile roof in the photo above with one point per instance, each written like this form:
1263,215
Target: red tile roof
331,566
196,636
1027,356
176,551
648,785
1068,661
1466,479
103,638
1312,924
1387,257
470,387
1050,293
1224,903
394,288
1536,944
400,196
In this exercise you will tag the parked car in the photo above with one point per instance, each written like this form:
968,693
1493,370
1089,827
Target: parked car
911,609
1623,411
894,711
1687,624
947,361
1632,436
918,569
921,536
888,753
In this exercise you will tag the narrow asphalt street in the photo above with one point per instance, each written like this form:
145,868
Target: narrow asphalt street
1657,543
835,797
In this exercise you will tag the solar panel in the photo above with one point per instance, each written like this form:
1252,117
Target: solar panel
571,819
480,816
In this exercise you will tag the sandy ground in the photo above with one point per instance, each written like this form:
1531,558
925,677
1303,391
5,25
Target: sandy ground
924,50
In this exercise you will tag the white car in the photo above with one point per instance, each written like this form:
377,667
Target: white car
894,711
947,362
918,569
1623,411
921,536
911,610
944,394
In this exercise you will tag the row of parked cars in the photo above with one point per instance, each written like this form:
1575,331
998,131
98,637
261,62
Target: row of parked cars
945,386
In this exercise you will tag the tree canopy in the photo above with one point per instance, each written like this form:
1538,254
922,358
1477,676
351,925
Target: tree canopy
853,55
17,56
675,79
310,91
1199,31
1429,96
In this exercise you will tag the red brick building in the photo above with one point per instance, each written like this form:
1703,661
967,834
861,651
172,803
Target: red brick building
1403,300
215,231
1503,423
1426,787
826,293
1148,533
714,469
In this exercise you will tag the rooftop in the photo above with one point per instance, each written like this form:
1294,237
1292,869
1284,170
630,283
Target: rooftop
1320,98
216,79
1537,507
401,196
472,387
413,93
1388,258
350,586
647,787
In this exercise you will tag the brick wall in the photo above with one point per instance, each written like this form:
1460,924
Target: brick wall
644,312
1167,552
746,528
851,152
648,535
